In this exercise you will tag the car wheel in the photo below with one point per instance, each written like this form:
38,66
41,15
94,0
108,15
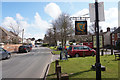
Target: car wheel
70,56
77,55
8,56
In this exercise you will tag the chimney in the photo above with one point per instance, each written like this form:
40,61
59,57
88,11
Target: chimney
108,29
101,31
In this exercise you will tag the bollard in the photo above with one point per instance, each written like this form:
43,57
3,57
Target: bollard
102,53
111,51
56,63
58,72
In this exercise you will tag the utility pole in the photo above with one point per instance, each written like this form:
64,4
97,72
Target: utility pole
97,64
22,35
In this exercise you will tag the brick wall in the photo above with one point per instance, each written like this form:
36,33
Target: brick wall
12,47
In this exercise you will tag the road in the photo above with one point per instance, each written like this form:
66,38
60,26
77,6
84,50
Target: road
27,65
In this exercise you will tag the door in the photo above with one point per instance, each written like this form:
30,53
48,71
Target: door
86,50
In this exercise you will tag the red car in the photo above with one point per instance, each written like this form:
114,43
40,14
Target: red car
80,50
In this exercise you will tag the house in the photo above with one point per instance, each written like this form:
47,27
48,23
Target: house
105,39
115,38
6,36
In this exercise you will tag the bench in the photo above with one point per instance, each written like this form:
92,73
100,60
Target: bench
117,54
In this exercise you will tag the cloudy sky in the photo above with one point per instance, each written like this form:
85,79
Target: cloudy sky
36,17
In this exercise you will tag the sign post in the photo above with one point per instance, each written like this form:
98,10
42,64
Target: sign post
97,64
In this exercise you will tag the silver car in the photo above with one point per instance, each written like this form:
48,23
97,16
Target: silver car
4,54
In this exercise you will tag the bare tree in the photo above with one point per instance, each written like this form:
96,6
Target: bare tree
64,27
15,29
50,38
55,32
93,28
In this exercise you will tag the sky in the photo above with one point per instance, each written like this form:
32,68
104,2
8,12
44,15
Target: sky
36,17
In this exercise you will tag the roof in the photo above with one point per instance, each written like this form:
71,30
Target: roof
7,32
116,31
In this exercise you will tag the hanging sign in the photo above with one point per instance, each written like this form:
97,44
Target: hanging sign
80,27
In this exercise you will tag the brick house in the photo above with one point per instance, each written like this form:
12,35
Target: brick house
6,36
115,37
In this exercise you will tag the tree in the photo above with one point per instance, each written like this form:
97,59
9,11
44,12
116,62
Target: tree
50,36
32,39
93,28
15,30
63,27
54,32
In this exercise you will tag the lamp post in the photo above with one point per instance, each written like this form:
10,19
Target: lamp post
97,64
22,35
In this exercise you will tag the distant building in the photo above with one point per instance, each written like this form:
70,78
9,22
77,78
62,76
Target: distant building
115,37
105,39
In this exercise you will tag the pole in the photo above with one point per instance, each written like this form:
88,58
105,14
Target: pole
98,65
22,35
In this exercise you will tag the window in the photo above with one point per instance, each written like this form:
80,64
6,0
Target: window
80,48
85,48
76,48
112,36
118,35
113,43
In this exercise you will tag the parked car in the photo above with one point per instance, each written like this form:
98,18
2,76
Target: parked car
25,48
4,54
30,45
80,50
59,48
37,45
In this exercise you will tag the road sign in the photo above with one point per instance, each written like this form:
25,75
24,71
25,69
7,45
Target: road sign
80,27
92,11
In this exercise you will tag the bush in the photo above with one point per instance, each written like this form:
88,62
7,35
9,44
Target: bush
71,43
45,44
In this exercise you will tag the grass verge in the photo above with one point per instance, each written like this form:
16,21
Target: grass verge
56,52
81,67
